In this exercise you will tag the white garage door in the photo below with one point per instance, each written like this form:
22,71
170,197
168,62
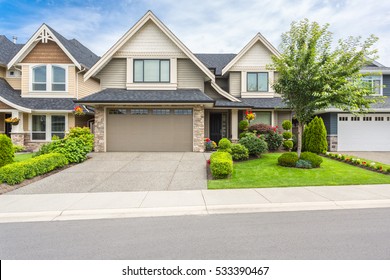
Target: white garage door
363,133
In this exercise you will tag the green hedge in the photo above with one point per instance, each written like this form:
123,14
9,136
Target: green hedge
17,172
221,165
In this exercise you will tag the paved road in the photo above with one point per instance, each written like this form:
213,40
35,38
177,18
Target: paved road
334,234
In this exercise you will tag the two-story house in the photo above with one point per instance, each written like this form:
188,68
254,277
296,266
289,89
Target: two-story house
39,82
156,95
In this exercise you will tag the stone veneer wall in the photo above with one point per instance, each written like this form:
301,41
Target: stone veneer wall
17,139
198,127
332,142
99,129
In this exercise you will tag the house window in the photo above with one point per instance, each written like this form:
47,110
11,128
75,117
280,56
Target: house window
48,78
38,127
139,111
379,119
257,82
39,75
355,119
183,112
151,71
161,111
262,117
44,127
367,119
343,119
375,82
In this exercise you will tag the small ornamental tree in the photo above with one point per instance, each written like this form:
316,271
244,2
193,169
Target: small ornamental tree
315,137
314,77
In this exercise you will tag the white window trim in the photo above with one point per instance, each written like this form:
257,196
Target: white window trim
49,78
48,125
246,93
380,86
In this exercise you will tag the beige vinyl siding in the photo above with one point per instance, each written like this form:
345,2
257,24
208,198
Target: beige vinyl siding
113,75
71,121
189,75
89,87
149,39
4,106
15,83
71,81
235,84
211,92
258,55
25,79
25,122
2,72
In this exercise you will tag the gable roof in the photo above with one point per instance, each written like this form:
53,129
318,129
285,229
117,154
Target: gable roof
80,55
149,16
7,50
216,61
257,38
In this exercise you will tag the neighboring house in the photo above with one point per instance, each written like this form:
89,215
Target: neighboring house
370,132
39,82
156,95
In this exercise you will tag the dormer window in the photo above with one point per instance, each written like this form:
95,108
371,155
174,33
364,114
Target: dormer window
48,78
151,70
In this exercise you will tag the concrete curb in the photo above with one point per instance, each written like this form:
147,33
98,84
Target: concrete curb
67,215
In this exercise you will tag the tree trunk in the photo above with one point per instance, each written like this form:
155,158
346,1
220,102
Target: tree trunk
300,133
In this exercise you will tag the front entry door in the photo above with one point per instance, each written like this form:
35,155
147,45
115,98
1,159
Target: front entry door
216,126
8,126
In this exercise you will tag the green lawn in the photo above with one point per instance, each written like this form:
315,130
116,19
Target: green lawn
265,173
24,156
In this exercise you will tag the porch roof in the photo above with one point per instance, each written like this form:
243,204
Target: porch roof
265,103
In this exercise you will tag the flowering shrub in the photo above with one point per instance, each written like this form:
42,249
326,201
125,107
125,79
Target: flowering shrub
359,162
209,144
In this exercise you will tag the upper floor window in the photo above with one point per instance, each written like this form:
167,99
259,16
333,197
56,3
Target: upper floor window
375,82
257,82
151,71
48,78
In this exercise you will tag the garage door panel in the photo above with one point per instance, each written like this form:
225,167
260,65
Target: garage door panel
369,134
141,133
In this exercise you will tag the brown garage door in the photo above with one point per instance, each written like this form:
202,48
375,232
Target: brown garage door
149,130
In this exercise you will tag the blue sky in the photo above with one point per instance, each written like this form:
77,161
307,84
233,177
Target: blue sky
204,26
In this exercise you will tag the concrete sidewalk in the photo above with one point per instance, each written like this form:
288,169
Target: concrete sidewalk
78,206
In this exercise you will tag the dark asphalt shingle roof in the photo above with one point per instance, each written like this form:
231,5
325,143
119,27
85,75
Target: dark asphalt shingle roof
265,103
81,53
8,93
150,96
231,104
216,61
7,50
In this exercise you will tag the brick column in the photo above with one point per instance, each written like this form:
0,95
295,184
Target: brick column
198,128
99,129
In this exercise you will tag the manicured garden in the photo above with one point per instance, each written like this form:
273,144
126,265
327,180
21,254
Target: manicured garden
265,172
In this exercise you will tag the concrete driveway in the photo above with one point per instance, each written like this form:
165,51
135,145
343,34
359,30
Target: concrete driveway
111,172
383,157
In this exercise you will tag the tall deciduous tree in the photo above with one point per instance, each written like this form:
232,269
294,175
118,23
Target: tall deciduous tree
313,76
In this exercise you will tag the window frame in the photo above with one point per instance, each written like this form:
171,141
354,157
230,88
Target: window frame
159,71
257,81
370,79
48,126
49,78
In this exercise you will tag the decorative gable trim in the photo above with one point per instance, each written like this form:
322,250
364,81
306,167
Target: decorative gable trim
257,38
224,93
132,31
43,35
13,105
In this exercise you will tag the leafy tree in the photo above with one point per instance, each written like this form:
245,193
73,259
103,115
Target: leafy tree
313,76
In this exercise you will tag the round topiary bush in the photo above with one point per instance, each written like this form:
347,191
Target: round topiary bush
274,140
6,150
243,125
288,159
287,135
224,143
255,145
288,144
314,159
287,125
239,152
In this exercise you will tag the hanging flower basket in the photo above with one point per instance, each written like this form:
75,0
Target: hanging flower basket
12,121
250,116
78,111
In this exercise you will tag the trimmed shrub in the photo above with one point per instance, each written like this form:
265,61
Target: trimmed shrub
274,140
83,133
221,165
243,125
314,159
6,150
287,135
242,134
44,149
18,148
239,152
287,125
315,137
288,159
303,164
17,172
224,145
256,146
288,144
74,149
261,128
